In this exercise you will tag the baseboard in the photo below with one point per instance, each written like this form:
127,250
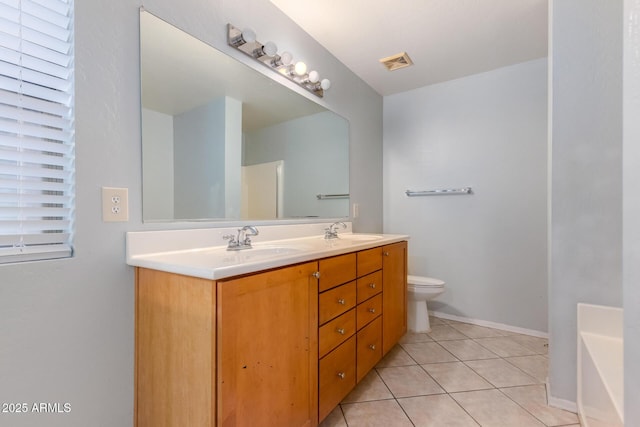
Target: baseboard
493,325
567,405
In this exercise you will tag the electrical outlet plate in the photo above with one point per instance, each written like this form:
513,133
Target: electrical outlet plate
115,204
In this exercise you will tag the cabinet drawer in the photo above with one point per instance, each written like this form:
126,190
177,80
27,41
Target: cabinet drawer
335,332
369,344
337,270
369,285
369,261
337,376
368,310
336,301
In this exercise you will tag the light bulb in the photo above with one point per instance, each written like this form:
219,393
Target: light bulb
270,48
301,68
286,58
248,35
325,84
314,76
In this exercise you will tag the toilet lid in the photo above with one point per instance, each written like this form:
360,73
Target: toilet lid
424,282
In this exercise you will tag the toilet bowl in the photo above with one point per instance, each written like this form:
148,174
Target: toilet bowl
420,289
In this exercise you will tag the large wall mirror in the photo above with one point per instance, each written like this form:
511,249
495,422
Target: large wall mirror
222,141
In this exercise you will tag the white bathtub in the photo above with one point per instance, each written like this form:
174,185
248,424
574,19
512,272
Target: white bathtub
600,366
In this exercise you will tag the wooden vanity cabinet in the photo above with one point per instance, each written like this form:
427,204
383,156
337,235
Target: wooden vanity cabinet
343,366
241,352
394,297
275,348
267,327
175,350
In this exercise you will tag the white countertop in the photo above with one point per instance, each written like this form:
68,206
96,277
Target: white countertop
215,262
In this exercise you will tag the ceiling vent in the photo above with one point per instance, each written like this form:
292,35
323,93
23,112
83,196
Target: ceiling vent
396,62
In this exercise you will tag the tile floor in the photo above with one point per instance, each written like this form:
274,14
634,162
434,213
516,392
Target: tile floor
458,375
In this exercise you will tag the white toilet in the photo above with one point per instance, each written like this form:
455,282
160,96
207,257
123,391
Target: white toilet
420,289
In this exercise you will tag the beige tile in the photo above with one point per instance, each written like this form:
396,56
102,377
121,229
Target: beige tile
504,346
411,337
334,419
370,388
438,410
396,357
475,331
535,344
536,366
445,332
500,373
491,408
453,322
533,398
406,381
428,352
381,413
434,321
456,376
468,350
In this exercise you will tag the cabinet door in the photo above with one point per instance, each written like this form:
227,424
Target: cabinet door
394,294
268,348
175,350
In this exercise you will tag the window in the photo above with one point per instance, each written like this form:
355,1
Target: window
36,129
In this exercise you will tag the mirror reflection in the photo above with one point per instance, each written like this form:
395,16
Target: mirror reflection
222,141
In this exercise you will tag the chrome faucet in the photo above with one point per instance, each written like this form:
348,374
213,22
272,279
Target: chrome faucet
332,232
242,240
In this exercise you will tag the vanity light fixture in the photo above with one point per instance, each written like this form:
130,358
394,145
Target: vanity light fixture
267,54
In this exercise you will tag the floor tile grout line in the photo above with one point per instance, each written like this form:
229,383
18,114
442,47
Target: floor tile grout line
525,409
522,370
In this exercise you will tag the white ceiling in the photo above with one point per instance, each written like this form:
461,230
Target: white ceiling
446,39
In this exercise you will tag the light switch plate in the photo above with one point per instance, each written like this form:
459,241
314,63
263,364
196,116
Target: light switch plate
115,204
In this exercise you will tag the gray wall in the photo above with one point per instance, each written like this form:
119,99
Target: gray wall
157,164
586,177
316,161
199,152
67,326
631,212
487,131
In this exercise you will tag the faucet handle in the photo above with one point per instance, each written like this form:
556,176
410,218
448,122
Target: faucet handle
229,237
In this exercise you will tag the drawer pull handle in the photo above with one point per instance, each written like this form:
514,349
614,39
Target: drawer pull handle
372,285
342,375
385,253
316,274
372,310
340,331
372,346
341,301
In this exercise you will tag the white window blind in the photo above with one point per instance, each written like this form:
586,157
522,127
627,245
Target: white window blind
36,129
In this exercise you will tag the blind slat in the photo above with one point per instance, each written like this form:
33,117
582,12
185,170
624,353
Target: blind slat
35,212
35,253
35,104
31,199
32,239
15,113
35,172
